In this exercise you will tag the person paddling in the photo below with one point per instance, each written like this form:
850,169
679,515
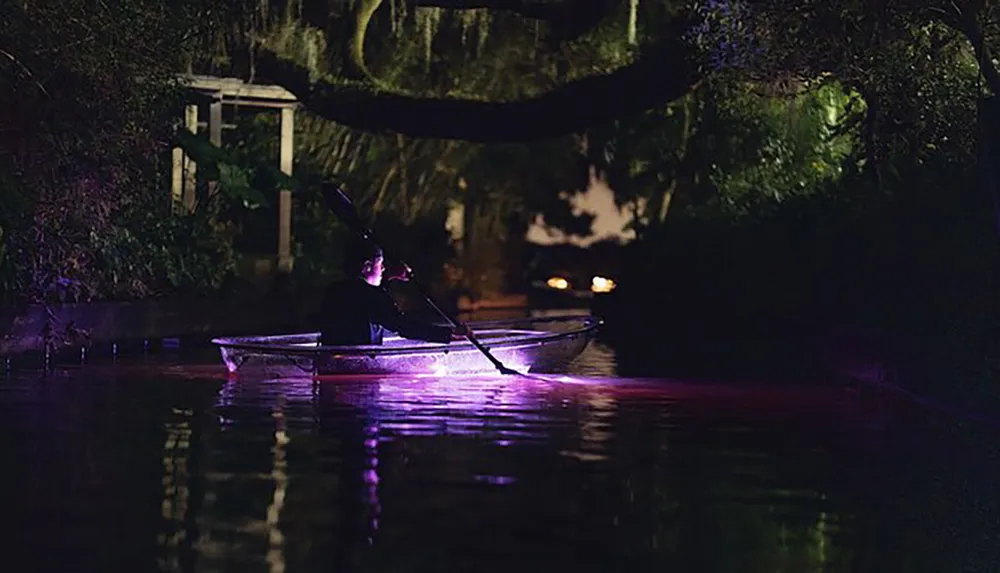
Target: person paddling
359,310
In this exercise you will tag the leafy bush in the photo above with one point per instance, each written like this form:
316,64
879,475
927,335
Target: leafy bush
158,253
96,116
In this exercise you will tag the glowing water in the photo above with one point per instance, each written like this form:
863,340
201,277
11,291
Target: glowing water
149,464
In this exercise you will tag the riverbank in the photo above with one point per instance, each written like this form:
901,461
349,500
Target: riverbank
955,370
85,324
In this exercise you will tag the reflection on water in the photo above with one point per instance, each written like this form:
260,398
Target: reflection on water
147,467
176,453
275,555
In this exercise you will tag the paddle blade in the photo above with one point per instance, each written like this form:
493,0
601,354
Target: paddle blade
343,208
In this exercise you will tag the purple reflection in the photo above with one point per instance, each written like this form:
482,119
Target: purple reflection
502,409
291,390
496,480
506,411
371,478
288,392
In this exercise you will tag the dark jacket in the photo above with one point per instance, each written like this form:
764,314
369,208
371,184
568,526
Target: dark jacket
355,312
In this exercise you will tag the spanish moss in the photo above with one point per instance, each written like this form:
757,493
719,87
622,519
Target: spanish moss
633,17
428,22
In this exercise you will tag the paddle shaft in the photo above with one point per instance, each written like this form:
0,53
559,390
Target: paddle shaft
344,208
451,320
468,332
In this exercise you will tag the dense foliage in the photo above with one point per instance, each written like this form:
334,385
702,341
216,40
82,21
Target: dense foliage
407,186
726,150
91,95
872,214
849,126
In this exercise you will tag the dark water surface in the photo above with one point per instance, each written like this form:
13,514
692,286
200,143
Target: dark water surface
148,465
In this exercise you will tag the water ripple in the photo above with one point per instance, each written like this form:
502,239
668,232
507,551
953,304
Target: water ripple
176,468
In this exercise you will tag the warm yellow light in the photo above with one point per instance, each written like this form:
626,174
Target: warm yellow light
558,283
601,284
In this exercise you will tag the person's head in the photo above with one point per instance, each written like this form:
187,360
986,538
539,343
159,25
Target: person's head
365,258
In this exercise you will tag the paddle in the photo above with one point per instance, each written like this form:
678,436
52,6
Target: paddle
343,207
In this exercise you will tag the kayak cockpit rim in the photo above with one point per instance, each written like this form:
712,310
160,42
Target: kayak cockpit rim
525,338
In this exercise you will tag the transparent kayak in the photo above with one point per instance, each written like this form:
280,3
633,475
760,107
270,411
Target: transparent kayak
526,345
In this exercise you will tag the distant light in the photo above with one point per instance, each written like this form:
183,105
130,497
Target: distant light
558,283
602,284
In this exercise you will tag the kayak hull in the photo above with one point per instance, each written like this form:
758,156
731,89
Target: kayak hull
526,345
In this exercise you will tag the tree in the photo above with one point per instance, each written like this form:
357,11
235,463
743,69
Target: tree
94,111
726,148
915,64
505,188
583,74
399,181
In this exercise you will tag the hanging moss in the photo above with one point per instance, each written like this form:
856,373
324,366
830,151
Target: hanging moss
476,22
262,22
302,44
428,22
538,35
633,17
398,13
466,20
483,19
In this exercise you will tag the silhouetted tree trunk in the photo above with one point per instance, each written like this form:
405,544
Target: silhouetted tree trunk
989,152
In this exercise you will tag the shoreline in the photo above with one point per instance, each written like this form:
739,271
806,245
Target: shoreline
86,324
106,322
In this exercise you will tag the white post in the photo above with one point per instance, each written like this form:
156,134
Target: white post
177,179
190,167
285,196
215,134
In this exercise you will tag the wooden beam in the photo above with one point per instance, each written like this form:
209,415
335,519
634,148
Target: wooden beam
235,88
263,104
225,126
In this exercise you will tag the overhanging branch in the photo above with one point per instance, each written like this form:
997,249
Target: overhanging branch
663,74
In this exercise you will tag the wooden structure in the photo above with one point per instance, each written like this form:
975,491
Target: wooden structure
236,92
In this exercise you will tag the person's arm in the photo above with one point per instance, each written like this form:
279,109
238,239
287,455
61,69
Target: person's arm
400,272
388,315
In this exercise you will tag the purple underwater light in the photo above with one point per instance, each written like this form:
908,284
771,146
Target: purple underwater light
530,344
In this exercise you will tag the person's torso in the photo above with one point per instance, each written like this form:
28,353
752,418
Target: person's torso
348,314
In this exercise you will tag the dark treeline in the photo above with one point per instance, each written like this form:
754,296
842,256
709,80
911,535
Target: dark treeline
783,163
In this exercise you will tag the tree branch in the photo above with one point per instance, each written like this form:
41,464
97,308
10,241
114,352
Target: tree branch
354,63
965,22
663,74
24,69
